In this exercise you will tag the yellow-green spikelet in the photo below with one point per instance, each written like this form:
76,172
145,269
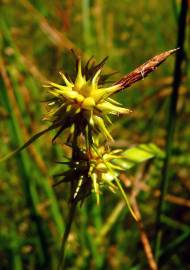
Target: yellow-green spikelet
83,103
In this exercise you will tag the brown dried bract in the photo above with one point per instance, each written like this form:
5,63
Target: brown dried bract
142,71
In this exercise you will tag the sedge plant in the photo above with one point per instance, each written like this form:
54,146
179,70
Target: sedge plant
81,107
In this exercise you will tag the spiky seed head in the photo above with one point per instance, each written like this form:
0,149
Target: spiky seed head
93,170
83,101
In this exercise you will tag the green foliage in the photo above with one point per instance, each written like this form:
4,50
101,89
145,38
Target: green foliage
138,154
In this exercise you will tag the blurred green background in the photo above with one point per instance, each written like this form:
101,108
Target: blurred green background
35,41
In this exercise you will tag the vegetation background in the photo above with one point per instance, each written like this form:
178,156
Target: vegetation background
35,39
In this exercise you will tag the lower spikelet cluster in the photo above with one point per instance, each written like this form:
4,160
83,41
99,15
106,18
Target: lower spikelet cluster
92,170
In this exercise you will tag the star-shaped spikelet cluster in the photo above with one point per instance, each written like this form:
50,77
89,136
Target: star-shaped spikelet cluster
83,103
92,170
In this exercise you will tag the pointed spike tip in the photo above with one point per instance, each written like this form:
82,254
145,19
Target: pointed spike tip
174,50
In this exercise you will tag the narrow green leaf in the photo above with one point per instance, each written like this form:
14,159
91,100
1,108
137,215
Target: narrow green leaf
30,141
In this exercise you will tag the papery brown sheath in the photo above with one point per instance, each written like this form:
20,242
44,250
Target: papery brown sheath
143,70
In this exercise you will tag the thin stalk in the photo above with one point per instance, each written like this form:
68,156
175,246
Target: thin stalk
71,215
125,197
171,122
72,209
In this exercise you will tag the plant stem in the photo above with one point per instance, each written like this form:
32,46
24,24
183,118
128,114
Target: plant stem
72,209
125,198
66,234
171,122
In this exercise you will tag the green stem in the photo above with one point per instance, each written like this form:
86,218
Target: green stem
125,197
71,215
171,123
72,209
